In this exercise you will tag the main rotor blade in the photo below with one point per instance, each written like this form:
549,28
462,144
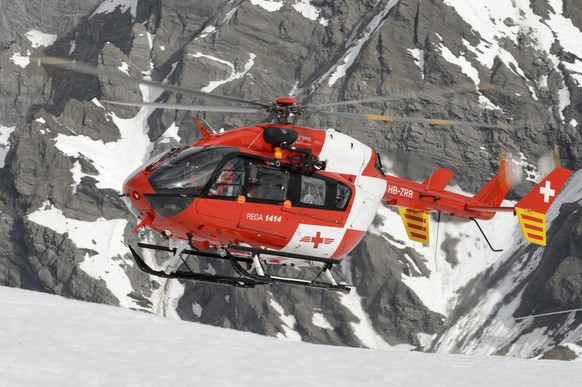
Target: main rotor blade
88,69
413,94
198,108
430,121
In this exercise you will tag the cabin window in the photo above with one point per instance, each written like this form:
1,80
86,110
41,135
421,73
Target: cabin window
312,191
315,191
267,183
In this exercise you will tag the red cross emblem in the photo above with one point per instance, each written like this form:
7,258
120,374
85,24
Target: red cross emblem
317,240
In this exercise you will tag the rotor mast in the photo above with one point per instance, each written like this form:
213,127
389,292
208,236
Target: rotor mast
283,107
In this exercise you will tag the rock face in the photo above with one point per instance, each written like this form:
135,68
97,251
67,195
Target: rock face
63,228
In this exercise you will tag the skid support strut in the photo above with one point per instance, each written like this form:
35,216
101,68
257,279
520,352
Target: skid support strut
257,266
176,257
238,255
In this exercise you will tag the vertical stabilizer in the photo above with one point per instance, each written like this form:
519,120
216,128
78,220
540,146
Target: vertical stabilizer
439,179
496,189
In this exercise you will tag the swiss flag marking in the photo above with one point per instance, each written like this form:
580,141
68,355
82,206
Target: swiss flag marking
547,191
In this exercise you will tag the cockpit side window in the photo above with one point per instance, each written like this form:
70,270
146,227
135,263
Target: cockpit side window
267,183
230,180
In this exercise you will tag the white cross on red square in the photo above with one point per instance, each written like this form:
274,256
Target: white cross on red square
547,191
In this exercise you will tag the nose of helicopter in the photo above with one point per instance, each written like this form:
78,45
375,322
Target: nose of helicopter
159,191
151,198
133,195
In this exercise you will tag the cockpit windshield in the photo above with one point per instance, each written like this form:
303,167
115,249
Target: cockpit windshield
187,172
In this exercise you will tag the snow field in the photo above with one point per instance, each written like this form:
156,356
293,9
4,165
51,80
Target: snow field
51,341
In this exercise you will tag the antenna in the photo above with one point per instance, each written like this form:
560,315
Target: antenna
210,126
428,184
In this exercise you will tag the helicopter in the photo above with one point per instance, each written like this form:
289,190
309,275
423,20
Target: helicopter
280,194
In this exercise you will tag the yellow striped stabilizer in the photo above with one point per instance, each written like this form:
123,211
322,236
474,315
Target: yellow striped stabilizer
416,224
533,225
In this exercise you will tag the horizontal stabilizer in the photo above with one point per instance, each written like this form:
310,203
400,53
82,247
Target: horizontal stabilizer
533,225
439,179
416,224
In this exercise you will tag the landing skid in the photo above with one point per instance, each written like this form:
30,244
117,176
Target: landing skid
245,278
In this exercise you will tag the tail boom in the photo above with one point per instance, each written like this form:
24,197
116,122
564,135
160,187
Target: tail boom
417,200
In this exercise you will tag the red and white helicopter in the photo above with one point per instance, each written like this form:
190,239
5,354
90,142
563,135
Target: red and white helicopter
277,193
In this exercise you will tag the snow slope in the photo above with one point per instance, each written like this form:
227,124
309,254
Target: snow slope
51,341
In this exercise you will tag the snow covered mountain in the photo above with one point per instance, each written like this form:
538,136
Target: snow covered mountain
64,155
80,343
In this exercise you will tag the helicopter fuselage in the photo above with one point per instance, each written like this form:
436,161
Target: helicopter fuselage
315,198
